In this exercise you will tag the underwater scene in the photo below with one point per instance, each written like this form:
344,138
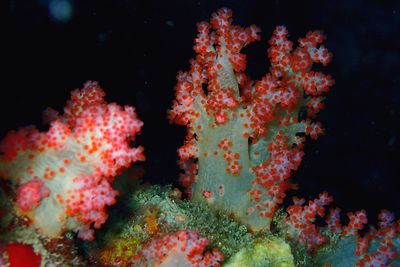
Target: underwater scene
200,133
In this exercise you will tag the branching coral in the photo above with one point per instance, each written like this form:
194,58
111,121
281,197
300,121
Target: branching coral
243,136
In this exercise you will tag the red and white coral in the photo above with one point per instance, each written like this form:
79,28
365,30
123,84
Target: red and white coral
183,248
384,236
31,193
261,120
301,220
373,248
63,176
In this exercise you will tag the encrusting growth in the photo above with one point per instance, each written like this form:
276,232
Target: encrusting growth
63,176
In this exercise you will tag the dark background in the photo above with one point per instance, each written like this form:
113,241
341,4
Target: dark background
135,48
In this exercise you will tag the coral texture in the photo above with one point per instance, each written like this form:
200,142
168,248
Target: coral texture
63,176
251,128
183,248
244,140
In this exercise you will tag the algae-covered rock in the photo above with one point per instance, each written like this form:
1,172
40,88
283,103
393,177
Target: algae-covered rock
272,252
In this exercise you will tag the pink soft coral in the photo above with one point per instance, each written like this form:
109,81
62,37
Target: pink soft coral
183,248
63,176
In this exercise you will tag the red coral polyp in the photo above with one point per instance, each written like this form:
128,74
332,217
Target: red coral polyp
30,194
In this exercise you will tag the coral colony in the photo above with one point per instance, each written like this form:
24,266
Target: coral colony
65,174
244,139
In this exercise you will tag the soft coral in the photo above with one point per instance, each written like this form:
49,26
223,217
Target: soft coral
68,170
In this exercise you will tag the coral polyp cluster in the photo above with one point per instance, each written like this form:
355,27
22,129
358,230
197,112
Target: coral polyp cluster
251,127
183,248
245,138
63,176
